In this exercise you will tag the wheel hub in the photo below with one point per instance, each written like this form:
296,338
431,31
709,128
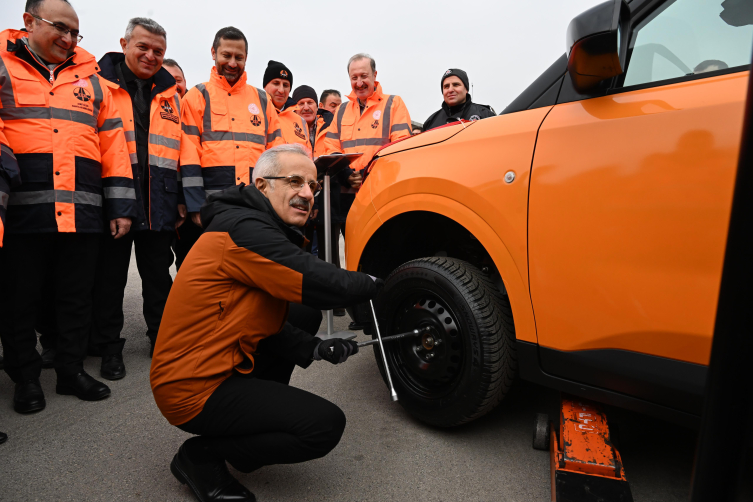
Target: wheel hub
434,358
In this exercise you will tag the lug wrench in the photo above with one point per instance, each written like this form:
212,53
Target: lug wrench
391,338
393,394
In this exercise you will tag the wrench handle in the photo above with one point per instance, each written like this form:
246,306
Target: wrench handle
393,393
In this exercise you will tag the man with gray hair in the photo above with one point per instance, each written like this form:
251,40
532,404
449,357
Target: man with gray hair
148,100
224,354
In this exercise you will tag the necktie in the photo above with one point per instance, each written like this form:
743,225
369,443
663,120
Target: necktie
140,103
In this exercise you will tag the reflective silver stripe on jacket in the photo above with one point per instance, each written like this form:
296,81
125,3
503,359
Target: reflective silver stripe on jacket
49,196
193,181
156,139
119,193
163,162
111,124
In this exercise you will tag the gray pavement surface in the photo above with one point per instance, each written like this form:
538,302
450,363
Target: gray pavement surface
120,448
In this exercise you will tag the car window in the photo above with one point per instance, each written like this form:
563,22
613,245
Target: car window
690,37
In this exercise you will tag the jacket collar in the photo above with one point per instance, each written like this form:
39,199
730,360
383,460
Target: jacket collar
289,104
460,109
221,82
109,70
373,99
324,119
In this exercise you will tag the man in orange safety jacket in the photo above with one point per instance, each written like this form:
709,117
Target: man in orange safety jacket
278,80
370,119
227,124
62,125
147,97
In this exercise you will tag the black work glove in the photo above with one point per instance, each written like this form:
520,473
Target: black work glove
335,350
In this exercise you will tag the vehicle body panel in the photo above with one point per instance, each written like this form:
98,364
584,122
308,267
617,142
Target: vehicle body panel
465,184
629,207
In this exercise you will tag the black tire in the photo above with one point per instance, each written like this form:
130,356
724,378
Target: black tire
474,363
541,432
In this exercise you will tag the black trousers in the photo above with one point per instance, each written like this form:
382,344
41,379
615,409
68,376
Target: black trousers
186,236
154,257
258,419
29,262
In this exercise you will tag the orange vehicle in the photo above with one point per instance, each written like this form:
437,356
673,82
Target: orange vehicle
577,238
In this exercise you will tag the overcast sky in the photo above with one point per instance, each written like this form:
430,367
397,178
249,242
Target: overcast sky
502,44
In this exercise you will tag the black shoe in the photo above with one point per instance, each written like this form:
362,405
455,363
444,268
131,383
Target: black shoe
112,367
354,326
3,437
83,386
48,358
210,482
28,397
338,312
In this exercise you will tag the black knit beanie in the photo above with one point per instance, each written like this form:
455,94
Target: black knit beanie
463,76
277,70
304,91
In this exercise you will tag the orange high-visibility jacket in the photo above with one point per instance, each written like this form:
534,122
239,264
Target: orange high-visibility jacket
323,120
9,176
294,128
163,190
225,130
67,137
384,120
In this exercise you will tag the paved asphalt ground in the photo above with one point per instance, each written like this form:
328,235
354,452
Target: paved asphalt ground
120,448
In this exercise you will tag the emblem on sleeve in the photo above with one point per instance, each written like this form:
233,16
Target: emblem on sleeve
167,112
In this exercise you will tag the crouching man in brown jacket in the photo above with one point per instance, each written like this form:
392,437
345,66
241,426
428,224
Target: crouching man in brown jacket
226,345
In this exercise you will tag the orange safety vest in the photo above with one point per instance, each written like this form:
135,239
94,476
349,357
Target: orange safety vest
225,130
163,190
67,137
294,128
384,120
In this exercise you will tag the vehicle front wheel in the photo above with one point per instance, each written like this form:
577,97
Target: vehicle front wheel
464,365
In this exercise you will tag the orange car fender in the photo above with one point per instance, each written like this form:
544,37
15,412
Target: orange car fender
515,283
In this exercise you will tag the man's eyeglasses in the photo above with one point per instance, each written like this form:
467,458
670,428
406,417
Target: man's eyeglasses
62,29
296,183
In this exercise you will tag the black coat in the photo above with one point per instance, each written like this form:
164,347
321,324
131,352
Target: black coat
468,111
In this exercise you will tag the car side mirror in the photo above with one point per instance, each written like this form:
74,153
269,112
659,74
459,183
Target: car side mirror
596,44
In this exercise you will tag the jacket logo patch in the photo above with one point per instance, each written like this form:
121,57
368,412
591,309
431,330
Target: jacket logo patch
82,83
255,121
82,94
375,124
253,109
377,114
475,117
299,132
167,112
